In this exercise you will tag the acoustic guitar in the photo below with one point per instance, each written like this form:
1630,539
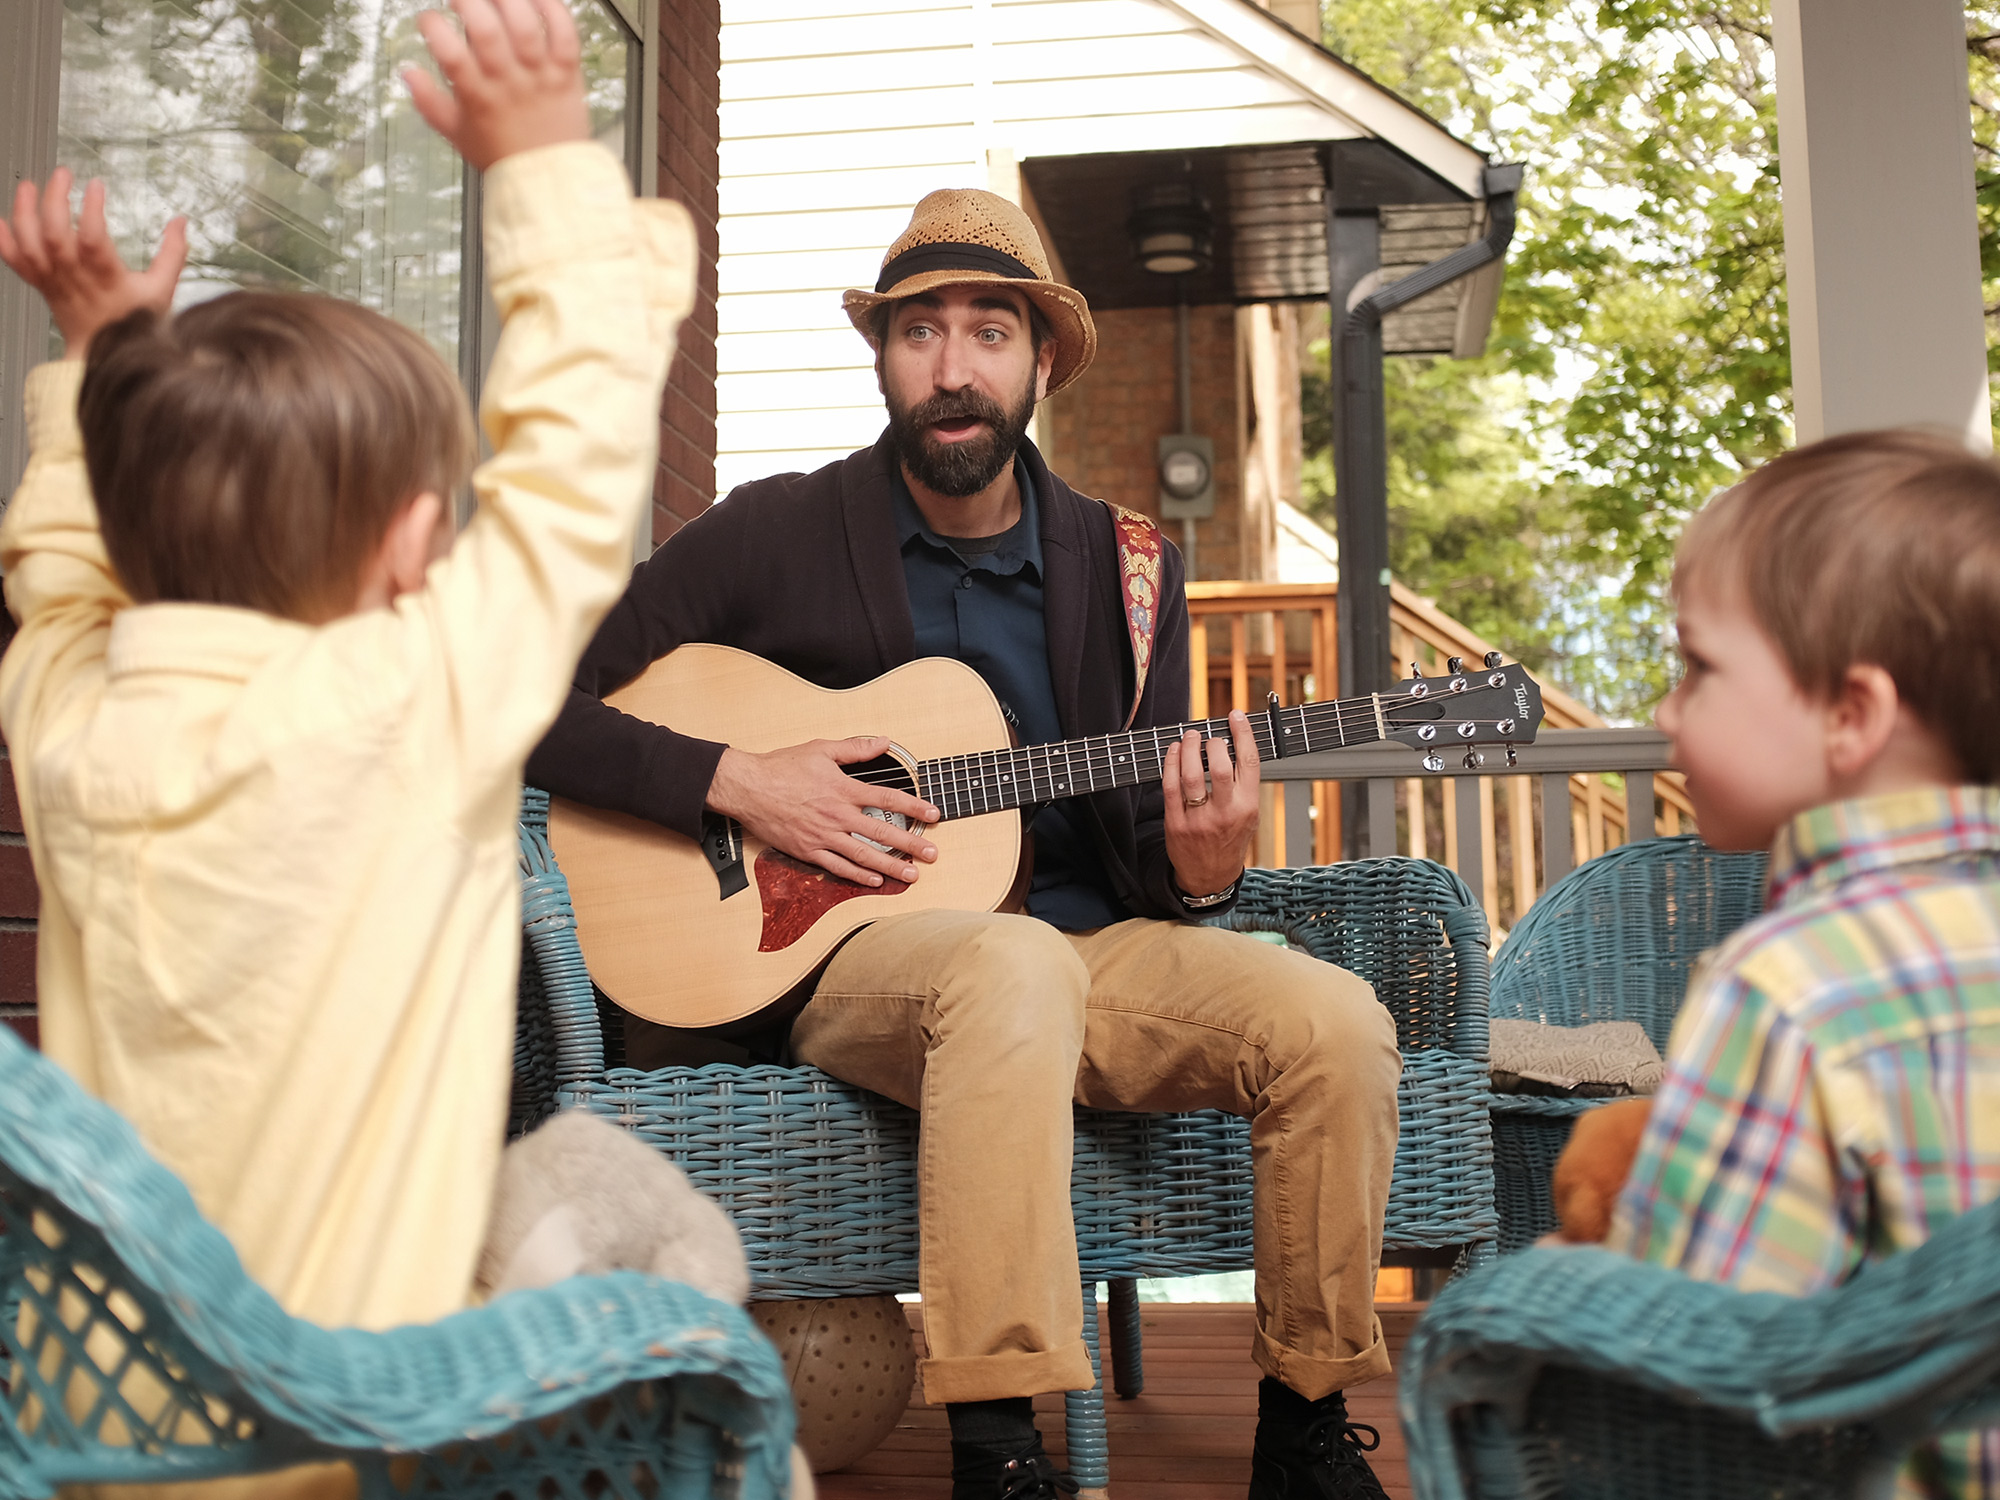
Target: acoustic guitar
704,933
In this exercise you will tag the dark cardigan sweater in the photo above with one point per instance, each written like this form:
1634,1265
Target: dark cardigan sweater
804,570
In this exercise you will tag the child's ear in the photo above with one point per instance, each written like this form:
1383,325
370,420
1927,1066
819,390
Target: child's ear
412,543
1861,719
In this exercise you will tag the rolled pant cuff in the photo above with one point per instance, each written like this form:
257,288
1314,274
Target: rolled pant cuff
1312,1376
993,1377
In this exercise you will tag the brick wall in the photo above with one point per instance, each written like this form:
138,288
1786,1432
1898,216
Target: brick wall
690,62
1103,432
19,899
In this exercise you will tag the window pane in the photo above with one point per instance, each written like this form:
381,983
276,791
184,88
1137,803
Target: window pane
281,129
610,66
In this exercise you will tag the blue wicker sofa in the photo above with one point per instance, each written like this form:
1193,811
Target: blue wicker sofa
1613,940
820,1177
134,1349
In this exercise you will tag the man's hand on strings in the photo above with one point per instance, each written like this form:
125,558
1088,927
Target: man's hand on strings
74,265
802,802
1211,818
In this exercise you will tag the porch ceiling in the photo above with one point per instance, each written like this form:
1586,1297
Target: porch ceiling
1270,210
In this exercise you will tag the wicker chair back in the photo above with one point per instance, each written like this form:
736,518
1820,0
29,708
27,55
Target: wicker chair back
1586,1374
134,1349
1613,940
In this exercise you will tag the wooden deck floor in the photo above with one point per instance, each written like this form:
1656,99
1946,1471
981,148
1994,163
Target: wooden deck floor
1187,1438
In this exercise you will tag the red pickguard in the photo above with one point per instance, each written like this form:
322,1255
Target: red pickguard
796,895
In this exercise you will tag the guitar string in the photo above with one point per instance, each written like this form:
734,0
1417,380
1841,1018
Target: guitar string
972,783
1099,754
1346,714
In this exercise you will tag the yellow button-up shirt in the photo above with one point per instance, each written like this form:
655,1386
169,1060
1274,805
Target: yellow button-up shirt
280,915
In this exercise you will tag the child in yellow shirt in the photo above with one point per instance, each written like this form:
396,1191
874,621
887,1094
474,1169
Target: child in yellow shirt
268,718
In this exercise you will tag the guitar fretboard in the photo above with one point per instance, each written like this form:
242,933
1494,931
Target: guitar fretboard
963,786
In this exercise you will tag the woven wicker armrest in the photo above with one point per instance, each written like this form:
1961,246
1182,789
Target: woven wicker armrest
107,1264
1583,1373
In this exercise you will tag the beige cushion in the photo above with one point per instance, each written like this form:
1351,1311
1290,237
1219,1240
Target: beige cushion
1599,1061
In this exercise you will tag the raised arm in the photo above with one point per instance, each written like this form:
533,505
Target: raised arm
60,584
591,287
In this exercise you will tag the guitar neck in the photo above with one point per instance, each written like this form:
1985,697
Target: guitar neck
964,786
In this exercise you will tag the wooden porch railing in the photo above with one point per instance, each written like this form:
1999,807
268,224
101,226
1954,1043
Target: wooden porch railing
1494,828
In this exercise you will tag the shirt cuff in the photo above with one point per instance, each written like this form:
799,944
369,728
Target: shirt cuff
555,204
52,390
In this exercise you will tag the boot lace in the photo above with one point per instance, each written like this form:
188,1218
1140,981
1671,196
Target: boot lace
1338,1448
1033,1477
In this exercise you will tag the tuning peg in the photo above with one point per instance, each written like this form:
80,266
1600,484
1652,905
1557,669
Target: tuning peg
1512,758
1415,670
1433,762
1272,701
1454,664
1474,760
1492,659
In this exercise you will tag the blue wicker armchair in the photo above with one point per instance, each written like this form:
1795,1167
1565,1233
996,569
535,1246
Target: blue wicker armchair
1613,940
1587,1376
133,1349
820,1176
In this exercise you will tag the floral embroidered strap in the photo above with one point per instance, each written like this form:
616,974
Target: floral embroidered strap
1139,548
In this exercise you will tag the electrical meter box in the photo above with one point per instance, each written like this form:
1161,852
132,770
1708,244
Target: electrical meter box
1187,478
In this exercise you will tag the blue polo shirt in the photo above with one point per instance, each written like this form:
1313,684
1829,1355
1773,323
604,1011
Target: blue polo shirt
979,599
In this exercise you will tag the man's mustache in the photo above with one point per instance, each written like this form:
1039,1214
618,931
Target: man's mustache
947,407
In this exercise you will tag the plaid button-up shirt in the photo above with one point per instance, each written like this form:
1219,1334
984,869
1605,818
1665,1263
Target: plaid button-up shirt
1832,1090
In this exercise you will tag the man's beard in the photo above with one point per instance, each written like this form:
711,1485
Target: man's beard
960,469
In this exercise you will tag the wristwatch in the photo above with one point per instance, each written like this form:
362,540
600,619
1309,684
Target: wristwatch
1202,903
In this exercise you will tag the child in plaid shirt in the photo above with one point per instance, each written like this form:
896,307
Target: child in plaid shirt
1832,1093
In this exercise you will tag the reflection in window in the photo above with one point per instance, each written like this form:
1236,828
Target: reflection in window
282,129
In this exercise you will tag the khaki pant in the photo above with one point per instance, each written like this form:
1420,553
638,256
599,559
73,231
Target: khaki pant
990,1025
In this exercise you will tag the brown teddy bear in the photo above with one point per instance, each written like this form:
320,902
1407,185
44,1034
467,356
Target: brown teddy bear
1593,1167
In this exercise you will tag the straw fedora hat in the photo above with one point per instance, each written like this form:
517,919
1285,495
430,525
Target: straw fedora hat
959,236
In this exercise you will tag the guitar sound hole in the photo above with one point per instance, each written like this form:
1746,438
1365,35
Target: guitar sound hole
885,770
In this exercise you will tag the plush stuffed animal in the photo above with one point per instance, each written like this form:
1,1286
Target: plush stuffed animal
579,1196
1593,1167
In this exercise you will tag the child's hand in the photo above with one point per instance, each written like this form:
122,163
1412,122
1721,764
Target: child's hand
76,268
516,78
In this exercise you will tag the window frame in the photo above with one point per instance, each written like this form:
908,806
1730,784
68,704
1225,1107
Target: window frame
30,86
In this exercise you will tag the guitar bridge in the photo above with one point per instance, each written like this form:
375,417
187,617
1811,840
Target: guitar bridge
722,846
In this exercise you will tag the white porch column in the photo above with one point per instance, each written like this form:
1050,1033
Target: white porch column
1881,246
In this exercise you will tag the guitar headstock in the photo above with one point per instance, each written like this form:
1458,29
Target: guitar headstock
1462,709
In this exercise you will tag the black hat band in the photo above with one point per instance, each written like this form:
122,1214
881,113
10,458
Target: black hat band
951,257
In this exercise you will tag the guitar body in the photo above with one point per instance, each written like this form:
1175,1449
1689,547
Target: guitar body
659,935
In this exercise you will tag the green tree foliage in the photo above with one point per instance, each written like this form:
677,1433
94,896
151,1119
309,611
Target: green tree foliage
1640,359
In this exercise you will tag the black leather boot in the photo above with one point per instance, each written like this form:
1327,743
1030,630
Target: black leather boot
991,1474
1308,1450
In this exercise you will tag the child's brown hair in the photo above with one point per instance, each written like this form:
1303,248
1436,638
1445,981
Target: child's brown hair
1873,547
254,450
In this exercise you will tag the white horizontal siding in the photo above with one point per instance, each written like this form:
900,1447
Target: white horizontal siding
885,39
793,390
758,119
815,78
818,349
804,271
831,229
839,427
1040,20
846,150
802,192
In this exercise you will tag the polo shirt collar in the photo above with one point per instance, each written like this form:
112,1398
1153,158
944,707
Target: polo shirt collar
1022,548
1826,846
203,640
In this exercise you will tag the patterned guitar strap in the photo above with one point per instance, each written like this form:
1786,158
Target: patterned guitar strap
1139,547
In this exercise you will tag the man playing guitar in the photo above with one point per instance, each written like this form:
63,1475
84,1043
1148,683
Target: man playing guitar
950,537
